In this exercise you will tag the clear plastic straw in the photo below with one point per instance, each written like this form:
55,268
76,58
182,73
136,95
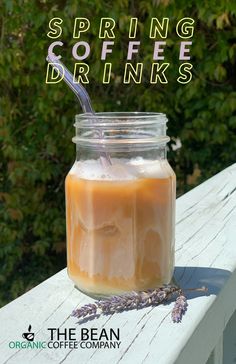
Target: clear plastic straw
81,94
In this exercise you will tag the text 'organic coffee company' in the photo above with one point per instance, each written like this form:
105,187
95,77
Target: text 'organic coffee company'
156,72
92,338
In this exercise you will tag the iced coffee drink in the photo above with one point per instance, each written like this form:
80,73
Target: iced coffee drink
120,224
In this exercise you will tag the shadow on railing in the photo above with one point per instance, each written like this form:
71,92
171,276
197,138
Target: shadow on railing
190,277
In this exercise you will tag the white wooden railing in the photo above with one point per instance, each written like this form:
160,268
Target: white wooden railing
205,255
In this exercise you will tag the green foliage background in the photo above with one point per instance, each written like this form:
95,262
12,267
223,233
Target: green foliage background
36,120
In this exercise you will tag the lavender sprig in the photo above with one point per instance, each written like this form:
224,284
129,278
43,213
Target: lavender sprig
179,309
137,300
127,301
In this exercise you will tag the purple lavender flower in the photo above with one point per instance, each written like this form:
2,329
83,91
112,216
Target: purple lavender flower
179,309
127,301
86,310
137,300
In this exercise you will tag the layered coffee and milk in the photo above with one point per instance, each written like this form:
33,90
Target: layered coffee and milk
120,225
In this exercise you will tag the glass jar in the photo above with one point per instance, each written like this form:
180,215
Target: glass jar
120,204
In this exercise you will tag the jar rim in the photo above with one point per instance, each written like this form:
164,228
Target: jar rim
120,129
123,117
121,114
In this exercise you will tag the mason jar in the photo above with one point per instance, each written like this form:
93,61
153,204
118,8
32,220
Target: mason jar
120,204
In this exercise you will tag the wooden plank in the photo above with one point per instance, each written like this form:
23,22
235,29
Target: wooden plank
205,255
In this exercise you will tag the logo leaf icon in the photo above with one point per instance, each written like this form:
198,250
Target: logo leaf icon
29,329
